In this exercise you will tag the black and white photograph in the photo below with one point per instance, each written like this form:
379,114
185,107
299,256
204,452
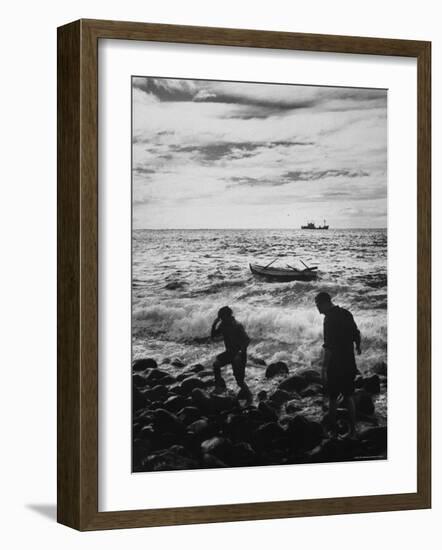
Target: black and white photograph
259,274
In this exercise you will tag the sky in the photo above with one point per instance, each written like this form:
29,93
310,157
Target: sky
215,154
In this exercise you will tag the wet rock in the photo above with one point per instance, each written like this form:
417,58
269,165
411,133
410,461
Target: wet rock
176,403
155,375
334,450
312,376
138,399
292,406
268,412
189,384
278,397
266,435
243,454
214,403
177,363
262,395
157,393
258,361
174,458
197,368
293,383
276,369
210,461
237,427
189,414
182,376
218,447
374,440
311,390
372,384
203,429
380,368
363,402
165,421
142,364
305,434
138,380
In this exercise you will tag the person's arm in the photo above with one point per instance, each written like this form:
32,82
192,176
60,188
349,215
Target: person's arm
244,338
216,331
356,336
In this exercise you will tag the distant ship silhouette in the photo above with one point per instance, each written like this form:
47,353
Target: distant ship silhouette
311,225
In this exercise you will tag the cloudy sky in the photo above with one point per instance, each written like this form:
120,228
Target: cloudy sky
212,154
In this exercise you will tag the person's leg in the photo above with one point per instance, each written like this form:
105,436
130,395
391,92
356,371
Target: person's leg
220,361
239,371
332,415
351,407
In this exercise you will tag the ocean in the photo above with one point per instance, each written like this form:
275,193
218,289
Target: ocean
182,277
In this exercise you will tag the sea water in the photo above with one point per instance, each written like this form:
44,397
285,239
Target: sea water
180,278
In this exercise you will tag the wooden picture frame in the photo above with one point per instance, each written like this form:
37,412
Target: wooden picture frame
78,274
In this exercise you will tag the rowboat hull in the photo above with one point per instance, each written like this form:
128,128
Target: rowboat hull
283,275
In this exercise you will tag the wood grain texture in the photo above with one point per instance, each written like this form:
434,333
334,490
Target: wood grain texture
78,274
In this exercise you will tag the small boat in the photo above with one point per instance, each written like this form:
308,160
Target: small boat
284,275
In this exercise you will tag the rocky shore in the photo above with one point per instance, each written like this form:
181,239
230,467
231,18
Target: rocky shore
180,424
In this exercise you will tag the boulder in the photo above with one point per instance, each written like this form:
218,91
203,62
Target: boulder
218,447
374,440
197,368
165,421
210,461
155,375
157,393
176,403
311,390
142,364
138,399
203,429
189,414
243,454
278,397
174,458
293,383
276,369
312,376
305,434
380,368
188,384
266,435
363,402
372,384
262,395
268,412
177,363
292,406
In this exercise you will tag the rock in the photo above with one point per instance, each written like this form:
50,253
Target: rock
168,380
189,414
182,376
305,433
138,380
177,363
380,368
258,361
164,421
334,450
312,376
262,395
276,369
219,447
142,364
292,406
138,399
155,375
265,436
237,427
174,458
188,384
279,397
176,403
165,361
372,384
211,461
243,454
293,383
203,429
374,440
157,393
311,390
268,413
363,402
197,368
213,404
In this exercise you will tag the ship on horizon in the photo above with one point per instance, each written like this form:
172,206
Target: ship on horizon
311,225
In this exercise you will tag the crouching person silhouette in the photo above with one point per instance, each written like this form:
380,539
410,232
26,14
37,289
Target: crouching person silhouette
236,341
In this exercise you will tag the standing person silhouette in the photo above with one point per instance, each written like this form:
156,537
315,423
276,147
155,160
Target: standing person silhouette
236,341
341,336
